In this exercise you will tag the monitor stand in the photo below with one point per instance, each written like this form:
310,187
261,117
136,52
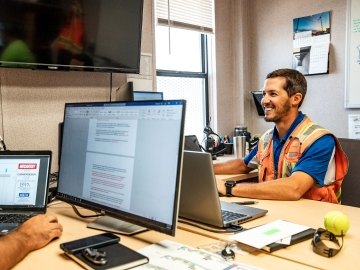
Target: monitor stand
110,224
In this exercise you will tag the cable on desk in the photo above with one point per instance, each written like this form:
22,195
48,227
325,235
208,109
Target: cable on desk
231,229
84,216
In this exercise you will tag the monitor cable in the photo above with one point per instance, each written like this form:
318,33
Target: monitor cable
2,144
111,85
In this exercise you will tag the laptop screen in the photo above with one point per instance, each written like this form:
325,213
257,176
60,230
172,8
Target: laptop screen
24,179
124,159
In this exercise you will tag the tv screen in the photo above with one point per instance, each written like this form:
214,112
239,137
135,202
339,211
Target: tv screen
123,160
147,95
88,35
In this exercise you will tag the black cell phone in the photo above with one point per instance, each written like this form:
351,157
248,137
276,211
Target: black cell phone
99,240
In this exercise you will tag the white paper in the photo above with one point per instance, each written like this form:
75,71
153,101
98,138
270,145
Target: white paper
354,126
319,57
264,235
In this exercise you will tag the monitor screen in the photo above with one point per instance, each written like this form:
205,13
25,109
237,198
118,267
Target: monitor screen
147,95
88,35
123,159
257,96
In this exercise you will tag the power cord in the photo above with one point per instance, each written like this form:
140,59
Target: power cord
230,229
2,144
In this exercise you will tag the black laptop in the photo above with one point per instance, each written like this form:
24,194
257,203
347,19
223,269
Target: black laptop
24,180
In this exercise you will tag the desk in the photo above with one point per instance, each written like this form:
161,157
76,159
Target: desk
309,213
52,257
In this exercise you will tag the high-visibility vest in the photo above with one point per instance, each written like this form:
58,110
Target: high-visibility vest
72,34
299,140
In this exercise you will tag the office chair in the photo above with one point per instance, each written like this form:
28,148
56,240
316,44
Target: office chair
350,189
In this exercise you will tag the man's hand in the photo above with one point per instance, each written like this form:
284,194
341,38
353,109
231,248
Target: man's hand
40,230
32,234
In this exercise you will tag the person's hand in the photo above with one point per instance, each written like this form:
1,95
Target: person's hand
38,231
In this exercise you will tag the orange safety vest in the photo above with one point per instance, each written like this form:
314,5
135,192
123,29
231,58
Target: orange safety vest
299,140
72,34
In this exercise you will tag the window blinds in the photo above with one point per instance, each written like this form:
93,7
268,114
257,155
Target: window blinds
187,14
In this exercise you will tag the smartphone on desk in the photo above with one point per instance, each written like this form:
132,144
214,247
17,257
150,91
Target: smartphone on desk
99,240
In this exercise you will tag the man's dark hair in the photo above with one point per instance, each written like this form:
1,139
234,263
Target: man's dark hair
295,82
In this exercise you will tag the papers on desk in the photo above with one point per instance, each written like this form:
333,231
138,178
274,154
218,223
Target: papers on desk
261,236
170,255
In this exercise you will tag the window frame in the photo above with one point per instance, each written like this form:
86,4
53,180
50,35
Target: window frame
204,74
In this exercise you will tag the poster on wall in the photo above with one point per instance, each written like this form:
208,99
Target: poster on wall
311,44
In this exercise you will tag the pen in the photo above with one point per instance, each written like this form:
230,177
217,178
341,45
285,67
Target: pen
246,202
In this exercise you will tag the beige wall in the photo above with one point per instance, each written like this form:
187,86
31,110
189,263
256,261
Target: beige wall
253,37
232,64
33,101
268,26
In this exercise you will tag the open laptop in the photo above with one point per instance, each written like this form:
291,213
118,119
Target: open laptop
24,180
199,199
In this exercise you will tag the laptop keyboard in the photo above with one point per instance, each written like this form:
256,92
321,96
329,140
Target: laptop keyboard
229,216
14,218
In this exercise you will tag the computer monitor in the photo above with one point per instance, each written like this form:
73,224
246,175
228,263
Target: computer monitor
147,95
257,96
123,160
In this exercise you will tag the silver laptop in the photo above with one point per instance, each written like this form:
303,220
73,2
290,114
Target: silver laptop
199,198
24,180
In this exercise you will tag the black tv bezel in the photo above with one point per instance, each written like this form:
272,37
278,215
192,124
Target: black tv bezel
61,67
126,216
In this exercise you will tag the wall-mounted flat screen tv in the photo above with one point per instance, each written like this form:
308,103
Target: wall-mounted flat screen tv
87,35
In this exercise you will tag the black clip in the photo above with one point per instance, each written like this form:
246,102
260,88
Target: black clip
95,256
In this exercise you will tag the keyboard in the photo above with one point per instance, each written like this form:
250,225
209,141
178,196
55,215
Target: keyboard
14,218
229,216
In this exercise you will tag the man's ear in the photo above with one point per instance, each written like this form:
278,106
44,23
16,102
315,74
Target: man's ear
296,99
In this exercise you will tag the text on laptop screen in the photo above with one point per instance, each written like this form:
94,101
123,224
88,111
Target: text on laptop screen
24,179
124,159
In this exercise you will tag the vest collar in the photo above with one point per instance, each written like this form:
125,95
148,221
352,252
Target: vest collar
296,122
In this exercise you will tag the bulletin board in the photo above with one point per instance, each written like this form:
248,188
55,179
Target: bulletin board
352,73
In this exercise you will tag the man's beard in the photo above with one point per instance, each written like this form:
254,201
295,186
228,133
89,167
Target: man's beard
280,113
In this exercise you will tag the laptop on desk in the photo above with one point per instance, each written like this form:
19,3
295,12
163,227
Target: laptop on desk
24,180
199,198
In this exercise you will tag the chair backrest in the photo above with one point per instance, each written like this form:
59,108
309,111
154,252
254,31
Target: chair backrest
350,189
